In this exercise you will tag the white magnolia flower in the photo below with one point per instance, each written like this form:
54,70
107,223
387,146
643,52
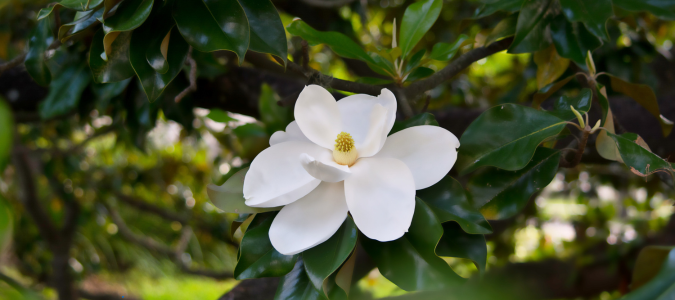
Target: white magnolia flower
336,158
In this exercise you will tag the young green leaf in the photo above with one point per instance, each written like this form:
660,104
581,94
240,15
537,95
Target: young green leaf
35,62
445,51
503,194
417,20
411,261
213,25
505,136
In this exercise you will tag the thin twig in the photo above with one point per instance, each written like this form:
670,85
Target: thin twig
193,77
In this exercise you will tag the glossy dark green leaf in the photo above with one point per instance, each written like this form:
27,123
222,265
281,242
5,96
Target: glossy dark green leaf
418,120
45,12
35,62
81,5
297,286
548,90
504,28
593,14
324,259
230,196
257,256
105,92
411,262
417,20
267,31
157,51
503,194
446,51
220,116
581,102
65,91
643,95
660,8
491,7
661,287
457,243
6,224
449,201
532,32
154,82
83,20
414,60
648,264
573,40
641,161
209,25
117,67
275,116
338,42
130,14
6,132
419,73
505,136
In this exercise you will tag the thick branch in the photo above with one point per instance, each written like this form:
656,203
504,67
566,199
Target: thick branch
338,84
455,67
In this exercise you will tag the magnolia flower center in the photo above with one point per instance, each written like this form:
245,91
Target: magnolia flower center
345,153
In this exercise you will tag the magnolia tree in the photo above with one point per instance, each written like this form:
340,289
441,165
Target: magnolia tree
457,125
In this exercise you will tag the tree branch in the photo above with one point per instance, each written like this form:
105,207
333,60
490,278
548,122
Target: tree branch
147,207
22,57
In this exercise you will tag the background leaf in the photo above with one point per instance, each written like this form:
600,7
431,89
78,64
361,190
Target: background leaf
662,286
662,9
491,7
35,62
417,20
503,194
648,264
643,95
6,132
275,116
410,261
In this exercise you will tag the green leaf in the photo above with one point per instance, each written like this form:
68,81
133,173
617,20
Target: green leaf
6,132
230,196
505,136
449,201
275,116
267,31
81,5
219,115
581,102
6,224
641,161
419,73
643,95
457,243
503,194
662,9
661,287
491,7
105,92
648,264
117,67
324,259
548,90
130,14
418,120
593,14
505,27
297,286
257,256
532,28
84,20
573,40
445,51
414,61
35,62
338,42
213,25
154,82
45,12
550,66
65,91
417,20
411,262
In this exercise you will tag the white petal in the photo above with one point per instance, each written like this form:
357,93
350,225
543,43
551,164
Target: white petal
276,176
318,116
428,151
292,133
381,197
324,167
357,111
309,221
